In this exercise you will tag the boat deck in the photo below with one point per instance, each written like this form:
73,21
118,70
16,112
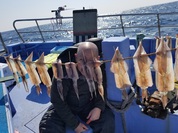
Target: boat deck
29,107
3,125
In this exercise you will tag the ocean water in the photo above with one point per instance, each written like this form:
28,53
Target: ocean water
12,37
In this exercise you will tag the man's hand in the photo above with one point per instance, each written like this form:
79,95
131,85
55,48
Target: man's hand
93,115
80,128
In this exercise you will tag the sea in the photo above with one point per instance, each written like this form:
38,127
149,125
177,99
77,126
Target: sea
11,37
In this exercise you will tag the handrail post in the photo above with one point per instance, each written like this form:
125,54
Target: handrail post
158,20
3,44
122,25
40,31
18,32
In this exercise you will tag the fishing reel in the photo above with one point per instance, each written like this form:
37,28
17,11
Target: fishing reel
152,106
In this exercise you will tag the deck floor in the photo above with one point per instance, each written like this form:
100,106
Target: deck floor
3,124
29,107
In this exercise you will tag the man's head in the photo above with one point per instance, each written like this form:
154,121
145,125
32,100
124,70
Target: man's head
87,53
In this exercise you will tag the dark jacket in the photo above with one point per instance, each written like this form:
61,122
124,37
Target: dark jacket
72,106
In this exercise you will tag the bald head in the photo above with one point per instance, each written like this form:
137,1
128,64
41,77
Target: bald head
87,51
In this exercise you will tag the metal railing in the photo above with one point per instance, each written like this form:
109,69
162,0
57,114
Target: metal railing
38,26
119,19
3,44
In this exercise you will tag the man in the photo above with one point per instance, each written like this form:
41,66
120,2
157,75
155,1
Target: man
90,109
58,14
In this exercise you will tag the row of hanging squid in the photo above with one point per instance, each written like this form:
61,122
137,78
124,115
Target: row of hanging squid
165,72
38,73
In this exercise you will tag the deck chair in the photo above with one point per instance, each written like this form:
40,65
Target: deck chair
84,25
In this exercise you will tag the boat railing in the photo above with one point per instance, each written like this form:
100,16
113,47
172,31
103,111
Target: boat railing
39,30
122,22
3,44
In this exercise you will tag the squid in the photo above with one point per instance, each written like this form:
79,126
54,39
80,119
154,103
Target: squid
143,75
157,42
93,73
73,74
88,74
22,71
169,41
176,41
120,68
58,74
43,72
99,77
88,71
11,64
164,70
31,69
176,66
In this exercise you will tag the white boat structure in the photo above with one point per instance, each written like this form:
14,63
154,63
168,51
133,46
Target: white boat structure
23,110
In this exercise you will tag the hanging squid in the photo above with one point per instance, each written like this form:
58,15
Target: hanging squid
11,64
99,77
87,69
176,45
157,42
58,74
176,64
120,68
164,70
143,75
169,41
73,74
43,72
33,75
22,71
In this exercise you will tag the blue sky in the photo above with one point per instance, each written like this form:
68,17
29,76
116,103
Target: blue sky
17,9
